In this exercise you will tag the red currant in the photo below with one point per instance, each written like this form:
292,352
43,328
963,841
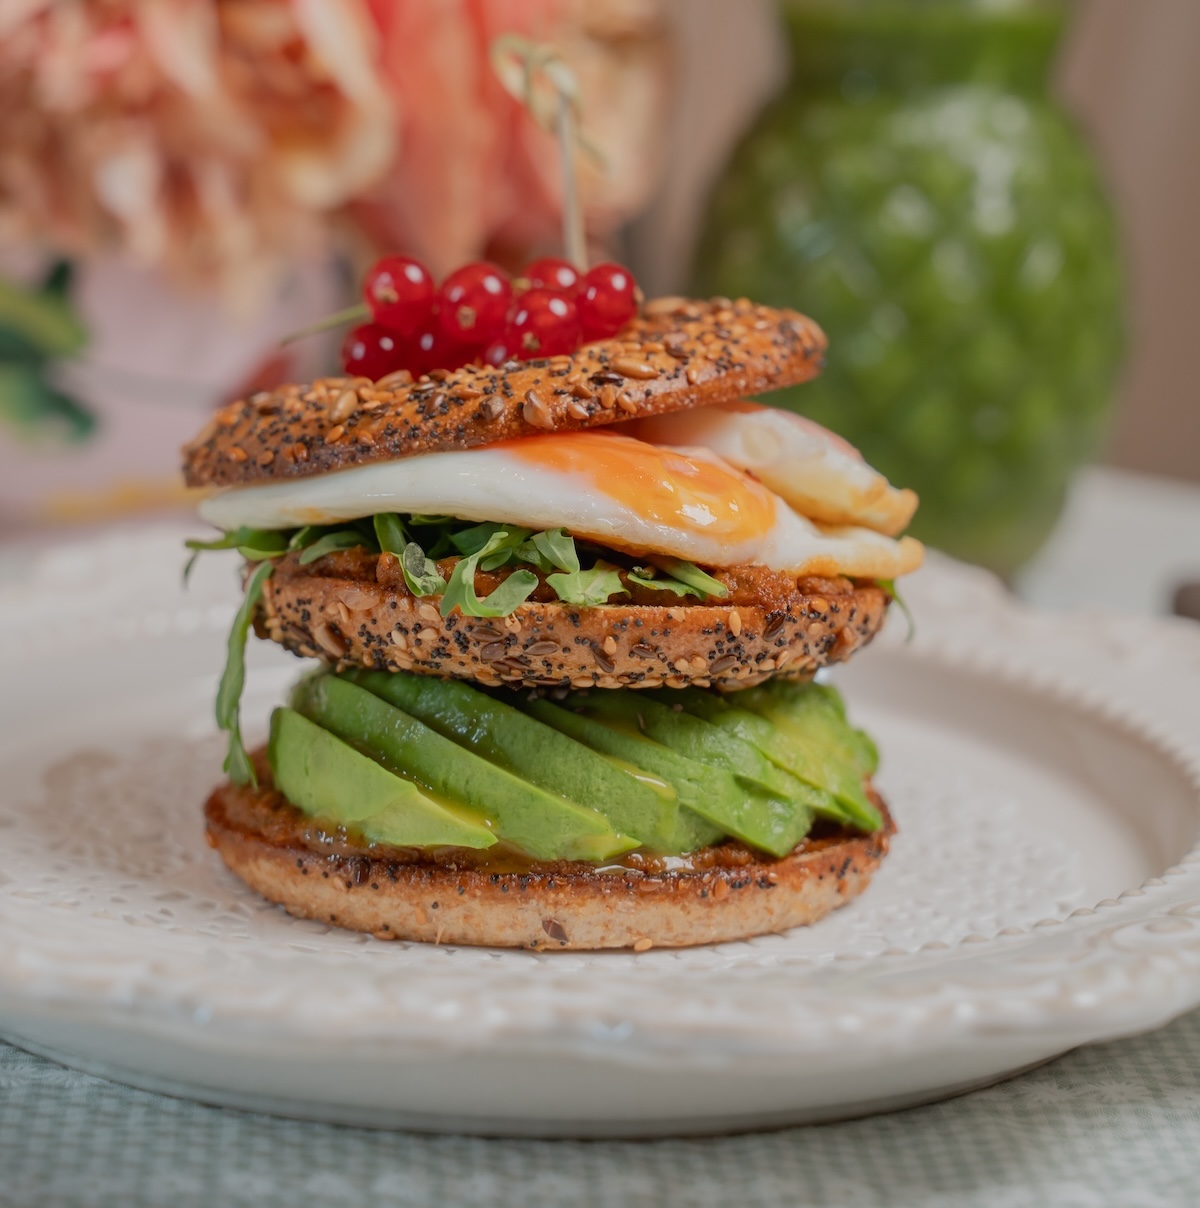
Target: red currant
542,323
552,273
431,348
497,352
607,300
473,301
399,291
372,351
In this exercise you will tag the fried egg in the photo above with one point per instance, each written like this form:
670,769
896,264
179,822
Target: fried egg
819,474
604,486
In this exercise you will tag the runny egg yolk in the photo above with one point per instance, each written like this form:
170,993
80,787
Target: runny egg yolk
661,486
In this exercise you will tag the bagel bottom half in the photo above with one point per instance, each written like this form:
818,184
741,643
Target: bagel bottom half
725,892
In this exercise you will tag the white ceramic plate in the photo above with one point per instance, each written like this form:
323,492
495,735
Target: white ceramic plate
1043,891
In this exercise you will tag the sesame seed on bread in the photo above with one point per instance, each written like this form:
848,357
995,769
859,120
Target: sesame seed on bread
721,893
677,353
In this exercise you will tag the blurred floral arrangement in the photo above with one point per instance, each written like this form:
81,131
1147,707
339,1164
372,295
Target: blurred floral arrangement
184,182
217,139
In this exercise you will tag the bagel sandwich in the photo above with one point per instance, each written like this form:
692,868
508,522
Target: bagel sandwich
564,617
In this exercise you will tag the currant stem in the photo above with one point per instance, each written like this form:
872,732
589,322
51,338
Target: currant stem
574,239
536,75
360,310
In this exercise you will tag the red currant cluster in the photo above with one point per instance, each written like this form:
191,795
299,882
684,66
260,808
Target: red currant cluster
479,314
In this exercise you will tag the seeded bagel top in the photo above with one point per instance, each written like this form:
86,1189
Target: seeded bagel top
676,354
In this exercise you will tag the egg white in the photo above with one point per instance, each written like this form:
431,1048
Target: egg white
494,483
814,470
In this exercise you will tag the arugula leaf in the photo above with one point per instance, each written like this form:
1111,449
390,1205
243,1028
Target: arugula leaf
515,590
390,533
265,543
647,576
509,596
587,587
262,551
224,541
505,551
495,544
338,539
233,679
420,572
472,540
551,550
441,546
303,536
437,544
889,585
255,545
690,574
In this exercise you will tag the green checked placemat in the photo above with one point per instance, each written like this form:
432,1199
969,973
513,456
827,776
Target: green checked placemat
1115,1124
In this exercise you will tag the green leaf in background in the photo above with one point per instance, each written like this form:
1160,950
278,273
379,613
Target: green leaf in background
37,324
587,587
31,405
42,316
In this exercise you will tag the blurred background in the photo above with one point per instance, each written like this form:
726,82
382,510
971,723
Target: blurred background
989,204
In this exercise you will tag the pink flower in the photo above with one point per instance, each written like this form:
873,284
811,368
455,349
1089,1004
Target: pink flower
474,172
218,139
206,138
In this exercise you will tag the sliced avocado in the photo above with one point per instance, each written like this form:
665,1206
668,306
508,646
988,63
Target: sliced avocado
713,793
689,735
543,826
818,709
321,775
634,802
839,779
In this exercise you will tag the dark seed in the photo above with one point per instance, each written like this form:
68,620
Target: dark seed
603,661
554,929
642,650
492,652
775,626
540,648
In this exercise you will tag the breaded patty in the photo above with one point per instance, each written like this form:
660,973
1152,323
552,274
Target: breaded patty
354,609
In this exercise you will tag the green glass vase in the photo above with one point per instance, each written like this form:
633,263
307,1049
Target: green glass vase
921,195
